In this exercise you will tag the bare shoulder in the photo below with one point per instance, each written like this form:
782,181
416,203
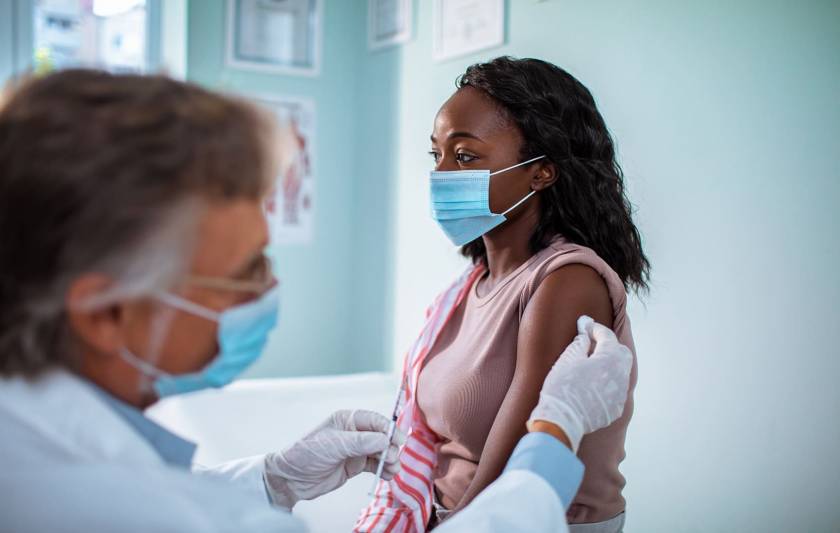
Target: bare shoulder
577,287
550,320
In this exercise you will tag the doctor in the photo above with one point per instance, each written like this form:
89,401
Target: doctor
132,268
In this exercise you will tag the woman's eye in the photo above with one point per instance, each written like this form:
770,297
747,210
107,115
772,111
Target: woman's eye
435,156
465,158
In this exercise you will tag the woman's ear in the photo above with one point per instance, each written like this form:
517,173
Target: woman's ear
545,177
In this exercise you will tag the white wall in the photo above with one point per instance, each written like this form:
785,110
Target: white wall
727,116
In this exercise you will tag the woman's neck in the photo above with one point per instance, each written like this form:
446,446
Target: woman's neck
508,246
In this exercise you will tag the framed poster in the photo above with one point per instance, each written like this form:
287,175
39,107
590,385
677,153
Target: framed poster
290,208
278,36
463,27
389,22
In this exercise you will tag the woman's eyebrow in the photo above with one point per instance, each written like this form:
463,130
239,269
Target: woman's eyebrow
457,134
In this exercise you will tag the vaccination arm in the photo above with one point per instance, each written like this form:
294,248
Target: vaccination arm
582,393
548,326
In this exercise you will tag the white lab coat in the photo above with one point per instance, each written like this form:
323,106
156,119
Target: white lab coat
69,463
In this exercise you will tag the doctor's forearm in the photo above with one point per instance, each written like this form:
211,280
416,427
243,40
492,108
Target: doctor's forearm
543,475
548,457
539,426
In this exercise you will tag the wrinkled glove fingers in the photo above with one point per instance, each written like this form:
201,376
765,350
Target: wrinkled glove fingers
363,443
371,464
392,457
362,420
389,469
603,336
578,349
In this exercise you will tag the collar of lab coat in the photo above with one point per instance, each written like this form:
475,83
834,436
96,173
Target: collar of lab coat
173,449
58,416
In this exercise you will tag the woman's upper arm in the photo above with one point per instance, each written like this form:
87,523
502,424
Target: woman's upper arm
548,326
549,323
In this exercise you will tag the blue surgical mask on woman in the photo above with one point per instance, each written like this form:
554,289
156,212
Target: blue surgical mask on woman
242,335
461,202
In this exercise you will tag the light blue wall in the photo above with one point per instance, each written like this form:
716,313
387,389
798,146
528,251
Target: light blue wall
316,330
16,28
727,117
6,41
377,163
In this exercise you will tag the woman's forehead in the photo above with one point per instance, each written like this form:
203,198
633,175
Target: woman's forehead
472,111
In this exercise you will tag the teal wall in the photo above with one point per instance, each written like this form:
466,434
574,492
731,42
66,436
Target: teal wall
6,41
377,165
337,290
16,30
320,310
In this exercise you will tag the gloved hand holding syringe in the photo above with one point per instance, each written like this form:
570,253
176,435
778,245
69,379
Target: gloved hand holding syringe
392,430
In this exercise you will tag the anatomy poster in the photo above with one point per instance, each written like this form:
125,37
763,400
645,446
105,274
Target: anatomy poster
290,207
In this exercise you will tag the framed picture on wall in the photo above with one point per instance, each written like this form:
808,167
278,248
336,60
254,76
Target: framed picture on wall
463,27
389,22
290,207
276,36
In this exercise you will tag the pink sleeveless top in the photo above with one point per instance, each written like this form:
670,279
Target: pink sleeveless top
470,368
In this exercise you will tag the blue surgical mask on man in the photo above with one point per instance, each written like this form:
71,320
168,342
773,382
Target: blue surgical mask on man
461,202
242,335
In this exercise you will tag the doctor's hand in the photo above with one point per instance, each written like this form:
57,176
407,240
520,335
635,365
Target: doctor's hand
345,445
584,393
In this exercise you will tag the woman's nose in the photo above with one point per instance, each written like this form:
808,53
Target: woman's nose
445,163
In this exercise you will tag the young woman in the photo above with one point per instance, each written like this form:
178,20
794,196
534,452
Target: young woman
551,238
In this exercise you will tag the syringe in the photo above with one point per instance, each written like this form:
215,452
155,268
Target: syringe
392,429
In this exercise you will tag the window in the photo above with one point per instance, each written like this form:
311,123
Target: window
107,34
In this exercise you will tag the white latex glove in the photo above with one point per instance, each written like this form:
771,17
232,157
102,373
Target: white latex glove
345,445
584,393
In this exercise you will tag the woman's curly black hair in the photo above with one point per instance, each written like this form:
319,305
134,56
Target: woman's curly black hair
557,117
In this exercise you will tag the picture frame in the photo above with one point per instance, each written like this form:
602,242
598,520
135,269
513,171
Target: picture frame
290,208
275,36
464,27
390,23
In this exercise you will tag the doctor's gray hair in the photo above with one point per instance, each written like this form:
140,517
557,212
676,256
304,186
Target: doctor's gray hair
103,173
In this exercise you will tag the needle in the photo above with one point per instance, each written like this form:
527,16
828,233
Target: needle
392,428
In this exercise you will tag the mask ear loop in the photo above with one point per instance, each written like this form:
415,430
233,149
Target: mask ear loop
157,335
159,327
517,204
518,165
530,194
148,369
188,307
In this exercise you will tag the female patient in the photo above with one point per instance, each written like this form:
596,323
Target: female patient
565,247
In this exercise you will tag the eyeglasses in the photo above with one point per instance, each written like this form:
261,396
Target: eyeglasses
257,279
